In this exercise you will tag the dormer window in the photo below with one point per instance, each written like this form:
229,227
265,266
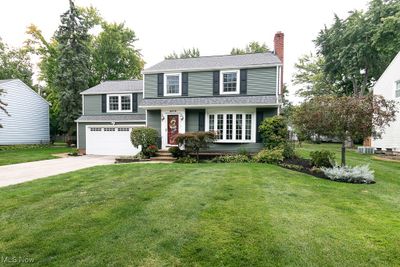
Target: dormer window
119,103
398,89
172,84
229,82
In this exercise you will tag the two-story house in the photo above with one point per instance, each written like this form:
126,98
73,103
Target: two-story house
228,94
109,111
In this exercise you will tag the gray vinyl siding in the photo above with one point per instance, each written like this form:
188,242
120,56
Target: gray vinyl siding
200,84
28,122
192,120
154,119
82,130
261,81
92,105
234,148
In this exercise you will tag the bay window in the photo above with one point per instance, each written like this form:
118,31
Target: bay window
232,127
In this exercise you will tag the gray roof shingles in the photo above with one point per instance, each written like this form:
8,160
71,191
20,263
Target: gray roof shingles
216,62
6,81
112,117
210,101
134,86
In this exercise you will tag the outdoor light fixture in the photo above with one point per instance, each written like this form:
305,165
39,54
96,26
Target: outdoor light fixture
181,116
162,117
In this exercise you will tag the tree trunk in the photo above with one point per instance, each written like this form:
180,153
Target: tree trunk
344,153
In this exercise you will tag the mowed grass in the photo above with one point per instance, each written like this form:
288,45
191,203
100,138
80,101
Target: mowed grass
203,215
30,154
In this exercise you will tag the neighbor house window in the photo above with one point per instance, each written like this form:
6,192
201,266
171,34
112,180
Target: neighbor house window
119,103
232,127
398,89
172,84
229,82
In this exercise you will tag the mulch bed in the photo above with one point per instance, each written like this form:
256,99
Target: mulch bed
302,165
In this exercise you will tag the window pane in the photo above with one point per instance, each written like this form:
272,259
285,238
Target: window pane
239,123
230,81
229,125
113,103
172,84
211,123
125,102
398,89
220,126
248,127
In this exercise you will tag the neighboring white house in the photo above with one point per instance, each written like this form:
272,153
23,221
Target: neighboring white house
28,120
388,86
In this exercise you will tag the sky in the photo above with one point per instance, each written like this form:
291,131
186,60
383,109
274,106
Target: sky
213,26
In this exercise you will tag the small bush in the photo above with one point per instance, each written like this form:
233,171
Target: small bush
231,159
186,159
144,137
242,151
288,150
322,158
195,141
74,153
151,150
176,152
274,132
269,156
359,174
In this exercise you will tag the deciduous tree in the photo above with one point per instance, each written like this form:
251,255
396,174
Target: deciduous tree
187,53
251,48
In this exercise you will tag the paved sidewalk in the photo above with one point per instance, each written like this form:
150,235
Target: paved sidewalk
23,172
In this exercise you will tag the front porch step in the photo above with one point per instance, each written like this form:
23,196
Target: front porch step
163,158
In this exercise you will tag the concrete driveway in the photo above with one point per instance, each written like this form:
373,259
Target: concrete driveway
23,172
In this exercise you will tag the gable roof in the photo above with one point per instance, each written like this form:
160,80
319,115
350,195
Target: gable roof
26,86
111,87
216,62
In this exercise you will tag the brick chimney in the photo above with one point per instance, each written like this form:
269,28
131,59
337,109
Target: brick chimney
279,43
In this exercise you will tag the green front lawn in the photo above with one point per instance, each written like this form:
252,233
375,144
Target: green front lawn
30,154
203,215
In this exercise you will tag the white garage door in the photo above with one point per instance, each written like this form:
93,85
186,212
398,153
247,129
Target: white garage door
109,140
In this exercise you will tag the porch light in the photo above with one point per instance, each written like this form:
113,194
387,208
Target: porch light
181,117
162,117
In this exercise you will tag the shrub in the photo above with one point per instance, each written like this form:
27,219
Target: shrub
288,150
231,159
151,150
242,151
176,152
322,158
187,159
358,174
269,156
74,153
274,132
194,141
144,137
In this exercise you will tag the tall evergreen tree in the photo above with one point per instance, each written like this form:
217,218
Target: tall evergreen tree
72,75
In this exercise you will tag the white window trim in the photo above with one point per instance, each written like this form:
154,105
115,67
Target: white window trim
221,82
119,103
179,84
396,83
233,140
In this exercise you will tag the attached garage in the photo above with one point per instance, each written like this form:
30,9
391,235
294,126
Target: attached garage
110,140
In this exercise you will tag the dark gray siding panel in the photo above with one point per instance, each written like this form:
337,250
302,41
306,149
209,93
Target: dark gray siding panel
154,119
192,120
150,85
234,148
200,84
261,81
93,105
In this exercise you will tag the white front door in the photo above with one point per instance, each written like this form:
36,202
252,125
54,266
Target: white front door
110,140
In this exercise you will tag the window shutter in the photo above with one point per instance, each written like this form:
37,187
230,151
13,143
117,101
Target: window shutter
104,103
160,84
185,83
243,82
259,119
202,119
135,103
216,83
